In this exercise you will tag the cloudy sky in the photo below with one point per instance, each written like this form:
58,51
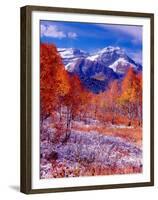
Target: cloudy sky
92,37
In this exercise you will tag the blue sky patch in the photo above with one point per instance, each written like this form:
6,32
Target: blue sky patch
91,37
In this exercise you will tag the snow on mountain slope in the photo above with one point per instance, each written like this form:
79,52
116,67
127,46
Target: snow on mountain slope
120,66
107,54
71,54
112,57
70,67
98,69
93,57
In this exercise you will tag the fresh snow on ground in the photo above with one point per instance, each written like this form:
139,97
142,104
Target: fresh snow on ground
88,148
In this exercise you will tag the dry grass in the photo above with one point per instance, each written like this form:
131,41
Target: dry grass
132,134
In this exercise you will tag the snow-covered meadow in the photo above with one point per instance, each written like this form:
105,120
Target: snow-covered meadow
87,154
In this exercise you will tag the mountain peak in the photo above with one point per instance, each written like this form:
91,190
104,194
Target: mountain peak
98,69
111,48
71,50
71,54
108,55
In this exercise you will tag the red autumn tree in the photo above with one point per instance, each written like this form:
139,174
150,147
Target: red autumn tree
75,100
113,93
106,103
54,82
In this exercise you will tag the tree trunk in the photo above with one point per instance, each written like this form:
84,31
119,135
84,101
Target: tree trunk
60,113
68,125
45,117
112,121
129,123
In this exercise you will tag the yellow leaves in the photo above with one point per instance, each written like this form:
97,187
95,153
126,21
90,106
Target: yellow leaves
61,82
126,95
131,87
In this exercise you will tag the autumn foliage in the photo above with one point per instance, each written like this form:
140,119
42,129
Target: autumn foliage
131,96
63,94
78,126
60,92
53,79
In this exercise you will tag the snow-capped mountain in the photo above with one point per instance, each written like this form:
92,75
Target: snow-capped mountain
114,58
71,54
98,69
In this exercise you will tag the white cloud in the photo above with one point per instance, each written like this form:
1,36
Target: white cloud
135,55
43,29
54,32
72,35
134,31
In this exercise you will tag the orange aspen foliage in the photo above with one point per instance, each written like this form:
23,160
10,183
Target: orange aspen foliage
54,82
131,95
131,87
113,93
77,95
